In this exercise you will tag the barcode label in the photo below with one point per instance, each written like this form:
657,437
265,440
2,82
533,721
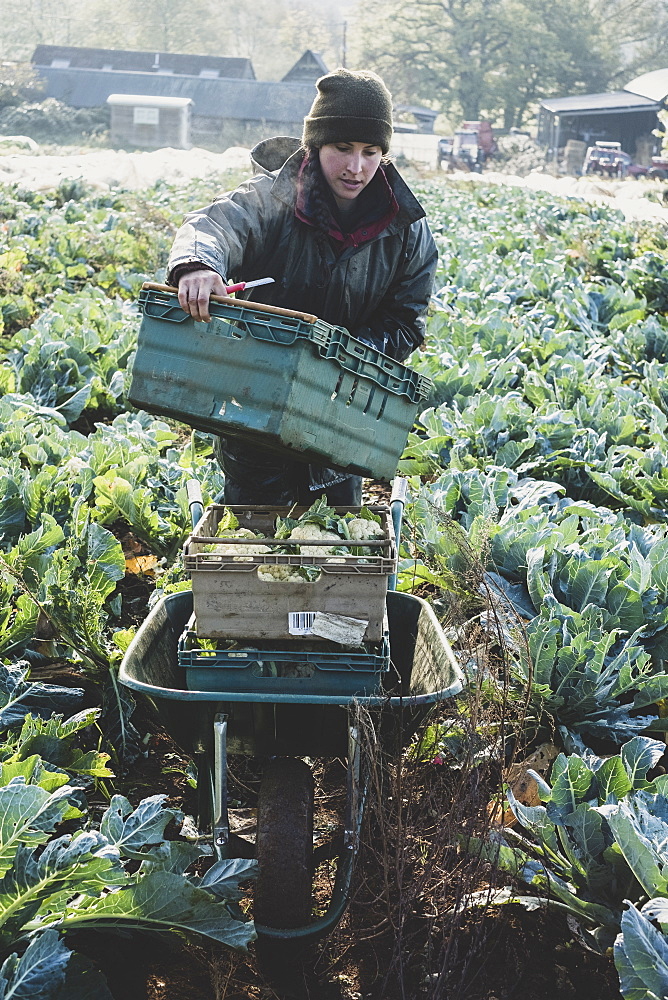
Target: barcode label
300,622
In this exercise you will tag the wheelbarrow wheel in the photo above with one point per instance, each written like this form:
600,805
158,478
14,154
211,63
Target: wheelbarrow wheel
283,890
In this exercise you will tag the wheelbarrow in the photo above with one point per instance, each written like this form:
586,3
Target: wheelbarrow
284,728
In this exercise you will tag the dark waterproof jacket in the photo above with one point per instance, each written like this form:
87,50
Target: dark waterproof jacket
378,288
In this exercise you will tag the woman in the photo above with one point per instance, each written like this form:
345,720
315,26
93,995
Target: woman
334,224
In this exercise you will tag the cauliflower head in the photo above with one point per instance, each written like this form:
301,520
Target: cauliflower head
362,529
279,574
241,553
309,530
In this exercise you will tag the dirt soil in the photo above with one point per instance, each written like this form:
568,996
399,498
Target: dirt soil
377,952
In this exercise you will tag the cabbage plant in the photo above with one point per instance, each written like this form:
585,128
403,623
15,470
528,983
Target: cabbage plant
597,848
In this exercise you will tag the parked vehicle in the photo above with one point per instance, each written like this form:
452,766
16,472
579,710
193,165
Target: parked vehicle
470,147
486,141
607,159
659,168
466,151
445,145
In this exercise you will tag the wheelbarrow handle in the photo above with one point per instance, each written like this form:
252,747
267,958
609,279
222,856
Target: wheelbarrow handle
399,490
194,493
397,500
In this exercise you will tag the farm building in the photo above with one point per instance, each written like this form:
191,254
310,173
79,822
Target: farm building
628,116
150,122
308,67
229,106
423,118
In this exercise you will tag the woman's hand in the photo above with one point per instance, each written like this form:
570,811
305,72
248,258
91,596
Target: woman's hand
195,290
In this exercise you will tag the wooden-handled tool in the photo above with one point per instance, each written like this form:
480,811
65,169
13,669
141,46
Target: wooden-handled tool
257,306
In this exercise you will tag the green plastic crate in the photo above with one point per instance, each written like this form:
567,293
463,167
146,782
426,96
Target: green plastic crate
306,390
293,671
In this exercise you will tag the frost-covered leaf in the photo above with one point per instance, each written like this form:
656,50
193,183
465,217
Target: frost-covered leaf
638,842
18,620
163,901
613,779
536,820
105,559
224,877
585,825
639,756
54,740
657,909
173,856
39,972
66,866
28,814
641,958
134,831
118,706
571,781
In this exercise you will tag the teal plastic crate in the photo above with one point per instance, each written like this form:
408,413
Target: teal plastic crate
283,671
307,390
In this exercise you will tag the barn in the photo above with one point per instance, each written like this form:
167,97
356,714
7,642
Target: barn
228,105
62,57
628,116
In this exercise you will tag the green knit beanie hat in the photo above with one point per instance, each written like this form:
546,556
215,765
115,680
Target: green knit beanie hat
350,106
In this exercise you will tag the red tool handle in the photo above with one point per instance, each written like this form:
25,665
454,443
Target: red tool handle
239,287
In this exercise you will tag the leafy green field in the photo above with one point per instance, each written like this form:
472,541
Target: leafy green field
545,458
77,473
539,478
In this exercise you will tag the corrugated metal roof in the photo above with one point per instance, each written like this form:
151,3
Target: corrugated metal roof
653,85
245,100
147,101
131,61
619,100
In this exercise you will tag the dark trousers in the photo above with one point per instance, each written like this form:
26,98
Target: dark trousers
255,476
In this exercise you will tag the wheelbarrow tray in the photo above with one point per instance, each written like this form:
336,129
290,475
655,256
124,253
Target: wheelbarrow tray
424,671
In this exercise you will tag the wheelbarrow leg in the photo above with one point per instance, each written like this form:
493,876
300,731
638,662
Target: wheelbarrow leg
204,791
221,823
212,798
355,796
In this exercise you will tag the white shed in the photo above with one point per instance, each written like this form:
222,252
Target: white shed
150,122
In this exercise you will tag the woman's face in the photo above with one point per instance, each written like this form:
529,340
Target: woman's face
348,167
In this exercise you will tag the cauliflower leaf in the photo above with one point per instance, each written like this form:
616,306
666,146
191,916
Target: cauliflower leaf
228,522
